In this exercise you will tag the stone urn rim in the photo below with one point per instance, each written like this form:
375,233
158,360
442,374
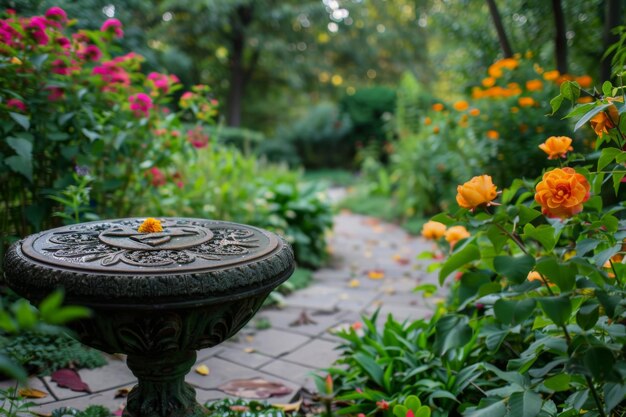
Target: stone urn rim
108,264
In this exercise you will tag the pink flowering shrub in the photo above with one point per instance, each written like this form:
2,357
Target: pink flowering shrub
67,102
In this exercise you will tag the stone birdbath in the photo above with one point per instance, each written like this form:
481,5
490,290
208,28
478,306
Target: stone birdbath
159,290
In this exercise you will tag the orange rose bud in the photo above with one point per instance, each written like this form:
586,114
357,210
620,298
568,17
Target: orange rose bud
551,75
474,112
150,225
437,107
460,105
584,81
562,192
456,233
557,146
433,230
605,120
479,191
493,134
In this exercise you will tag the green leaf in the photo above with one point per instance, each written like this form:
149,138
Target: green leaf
607,156
609,302
12,369
580,110
543,234
607,88
22,147
524,404
588,314
443,218
451,331
21,119
497,238
400,410
24,314
458,259
412,402
21,165
613,395
515,268
570,90
555,103
618,176
90,134
558,309
558,383
599,360
64,118
586,245
496,409
563,275
51,304
527,215
513,312
374,370
38,60
601,258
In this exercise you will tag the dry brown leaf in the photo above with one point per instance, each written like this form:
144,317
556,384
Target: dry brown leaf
249,350
254,388
41,414
400,260
31,393
354,283
287,408
122,392
202,370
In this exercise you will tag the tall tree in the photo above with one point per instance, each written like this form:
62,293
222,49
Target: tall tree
497,22
612,18
560,38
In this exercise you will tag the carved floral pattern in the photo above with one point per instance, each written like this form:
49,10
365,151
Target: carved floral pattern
84,244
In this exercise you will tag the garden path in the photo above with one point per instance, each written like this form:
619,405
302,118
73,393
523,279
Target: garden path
373,266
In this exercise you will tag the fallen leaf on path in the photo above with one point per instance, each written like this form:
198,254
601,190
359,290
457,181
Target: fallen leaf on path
69,378
202,370
249,350
302,320
371,221
249,339
400,260
354,283
120,410
254,388
41,414
375,274
122,392
31,393
287,408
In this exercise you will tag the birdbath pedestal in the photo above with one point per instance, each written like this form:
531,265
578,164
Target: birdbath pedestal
156,296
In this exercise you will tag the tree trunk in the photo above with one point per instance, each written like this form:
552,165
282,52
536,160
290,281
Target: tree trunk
497,21
612,18
560,39
241,18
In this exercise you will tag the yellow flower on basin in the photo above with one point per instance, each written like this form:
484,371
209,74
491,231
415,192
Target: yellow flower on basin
150,225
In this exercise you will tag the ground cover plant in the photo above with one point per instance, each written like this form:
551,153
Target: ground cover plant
535,323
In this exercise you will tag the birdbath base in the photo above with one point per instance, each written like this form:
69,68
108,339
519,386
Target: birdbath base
161,388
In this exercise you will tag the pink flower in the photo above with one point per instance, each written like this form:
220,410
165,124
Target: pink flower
112,26
91,52
140,104
16,104
160,81
55,16
55,93
37,28
157,177
112,74
63,42
60,67
382,404
410,413
197,138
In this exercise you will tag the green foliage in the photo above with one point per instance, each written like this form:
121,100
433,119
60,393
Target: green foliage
42,353
242,408
12,404
91,411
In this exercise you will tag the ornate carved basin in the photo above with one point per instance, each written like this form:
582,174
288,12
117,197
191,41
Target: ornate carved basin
157,297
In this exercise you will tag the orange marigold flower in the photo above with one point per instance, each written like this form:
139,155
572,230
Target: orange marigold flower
585,99
461,105
456,233
562,192
436,130
437,107
427,120
495,71
526,101
534,85
508,63
551,75
433,230
605,120
557,146
584,81
479,191
514,109
493,134
150,225
489,82
474,112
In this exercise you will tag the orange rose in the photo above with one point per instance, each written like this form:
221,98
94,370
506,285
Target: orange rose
584,81
526,101
562,192
461,105
534,85
551,75
437,107
557,146
476,192
605,120
493,134
433,230
456,233
536,276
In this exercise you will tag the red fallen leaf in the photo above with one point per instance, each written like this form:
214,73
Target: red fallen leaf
120,410
400,260
69,378
254,388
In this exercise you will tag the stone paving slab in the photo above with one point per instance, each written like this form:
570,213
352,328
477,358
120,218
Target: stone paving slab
285,352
